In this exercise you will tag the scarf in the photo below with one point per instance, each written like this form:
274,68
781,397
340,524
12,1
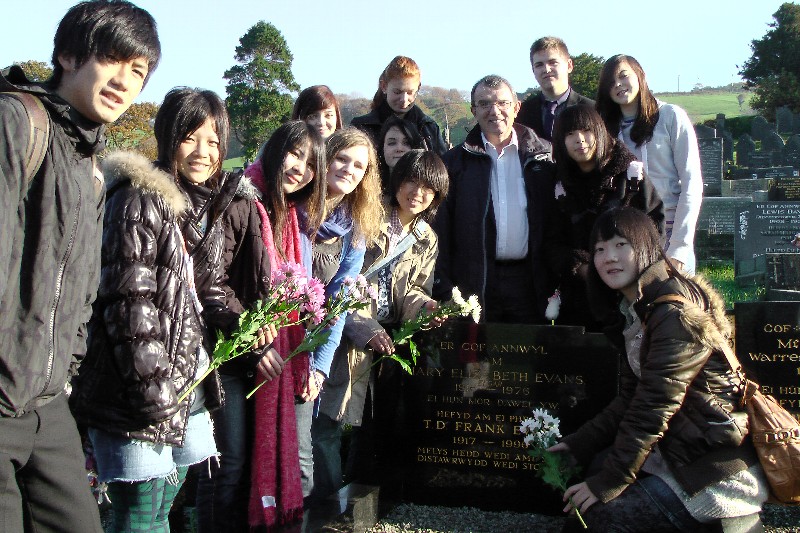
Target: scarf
338,223
276,495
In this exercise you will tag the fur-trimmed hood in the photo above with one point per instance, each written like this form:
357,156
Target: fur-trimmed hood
119,167
703,320
247,190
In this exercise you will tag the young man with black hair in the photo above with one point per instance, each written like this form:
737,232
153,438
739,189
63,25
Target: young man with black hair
551,65
51,212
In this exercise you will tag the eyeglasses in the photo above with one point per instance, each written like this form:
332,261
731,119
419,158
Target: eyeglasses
415,185
502,105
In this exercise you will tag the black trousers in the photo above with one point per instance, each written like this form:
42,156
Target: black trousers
43,482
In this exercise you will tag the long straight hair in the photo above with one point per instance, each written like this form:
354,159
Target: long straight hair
183,111
364,203
291,136
647,115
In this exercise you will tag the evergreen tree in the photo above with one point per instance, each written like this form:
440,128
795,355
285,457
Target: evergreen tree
774,67
259,86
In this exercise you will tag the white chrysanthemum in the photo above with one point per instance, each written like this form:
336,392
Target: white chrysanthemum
553,306
529,439
457,298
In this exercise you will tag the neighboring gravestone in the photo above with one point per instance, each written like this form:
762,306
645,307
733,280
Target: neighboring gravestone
743,188
762,228
785,189
727,145
761,159
704,132
764,173
745,147
716,226
783,120
711,164
791,153
783,272
796,123
768,347
720,122
473,386
773,144
759,128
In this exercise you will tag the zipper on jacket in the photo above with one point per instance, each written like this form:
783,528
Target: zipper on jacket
57,297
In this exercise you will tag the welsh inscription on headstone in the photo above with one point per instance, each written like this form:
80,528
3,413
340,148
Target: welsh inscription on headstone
784,189
473,387
711,164
762,173
744,188
763,228
768,347
760,159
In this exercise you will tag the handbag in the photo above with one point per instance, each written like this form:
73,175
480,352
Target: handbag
775,432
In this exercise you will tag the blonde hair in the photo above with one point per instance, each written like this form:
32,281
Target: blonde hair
364,202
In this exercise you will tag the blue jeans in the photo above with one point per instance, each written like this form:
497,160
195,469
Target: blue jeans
222,498
326,436
646,506
304,412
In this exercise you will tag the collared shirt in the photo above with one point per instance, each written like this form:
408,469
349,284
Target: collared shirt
509,200
560,103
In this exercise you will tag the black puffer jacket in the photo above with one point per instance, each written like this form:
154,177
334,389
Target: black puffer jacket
146,327
372,122
50,249
580,199
685,401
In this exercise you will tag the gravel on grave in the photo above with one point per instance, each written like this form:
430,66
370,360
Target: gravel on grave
410,518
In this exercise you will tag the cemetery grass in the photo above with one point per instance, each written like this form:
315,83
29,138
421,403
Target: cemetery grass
234,162
705,106
720,274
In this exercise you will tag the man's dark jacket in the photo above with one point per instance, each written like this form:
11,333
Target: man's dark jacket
50,247
530,112
372,122
465,221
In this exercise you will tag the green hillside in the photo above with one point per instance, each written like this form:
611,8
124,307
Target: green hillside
705,105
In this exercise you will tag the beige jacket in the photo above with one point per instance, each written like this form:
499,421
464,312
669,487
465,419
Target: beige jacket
345,390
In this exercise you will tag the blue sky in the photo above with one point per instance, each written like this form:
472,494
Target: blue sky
347,43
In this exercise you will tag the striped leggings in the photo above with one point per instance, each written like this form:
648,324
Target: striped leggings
143,506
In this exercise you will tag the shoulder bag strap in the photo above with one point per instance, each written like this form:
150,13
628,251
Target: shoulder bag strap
405,243
39,133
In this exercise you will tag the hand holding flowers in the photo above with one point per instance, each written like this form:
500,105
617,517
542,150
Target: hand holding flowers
541,434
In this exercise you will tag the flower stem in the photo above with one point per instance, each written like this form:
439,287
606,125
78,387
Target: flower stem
188,391
578,513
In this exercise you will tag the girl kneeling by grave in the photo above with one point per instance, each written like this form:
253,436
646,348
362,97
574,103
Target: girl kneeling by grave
595,173
676,454
161,268
399,265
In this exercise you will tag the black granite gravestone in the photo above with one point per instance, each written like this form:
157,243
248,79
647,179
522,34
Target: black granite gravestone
711,164
764,173
783,272
783,119
761,228
744,188
768,347
468,395
745,147
784,189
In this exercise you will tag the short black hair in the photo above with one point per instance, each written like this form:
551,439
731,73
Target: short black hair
427,169
105,29
183,111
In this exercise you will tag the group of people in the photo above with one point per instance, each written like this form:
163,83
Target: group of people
121,272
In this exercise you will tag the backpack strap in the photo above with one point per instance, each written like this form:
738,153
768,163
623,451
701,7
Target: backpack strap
39,133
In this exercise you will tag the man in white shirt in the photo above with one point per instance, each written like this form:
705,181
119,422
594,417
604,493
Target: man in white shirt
490,226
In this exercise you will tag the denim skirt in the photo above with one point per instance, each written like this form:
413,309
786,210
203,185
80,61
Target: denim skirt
124,459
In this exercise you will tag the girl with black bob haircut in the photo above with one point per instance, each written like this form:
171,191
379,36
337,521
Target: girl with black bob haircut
107,30
399,265
671,452
396,138
161,284
595,173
